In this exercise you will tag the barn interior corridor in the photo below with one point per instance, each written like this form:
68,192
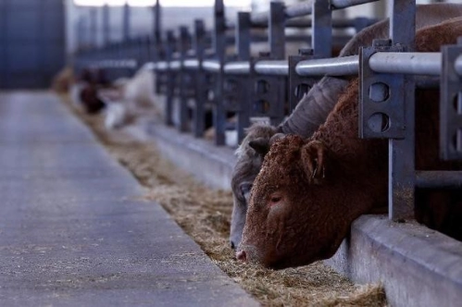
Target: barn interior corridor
74,230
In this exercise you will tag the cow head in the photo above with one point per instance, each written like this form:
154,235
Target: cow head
249,160
298,211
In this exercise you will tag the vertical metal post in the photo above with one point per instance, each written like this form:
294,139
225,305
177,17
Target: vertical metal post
299,86
156,15
276,25
243,54
157,20
321,27
184,81
219,41
170,84
126,22
94,27
401,164
201,85
106,27
80,27
451,104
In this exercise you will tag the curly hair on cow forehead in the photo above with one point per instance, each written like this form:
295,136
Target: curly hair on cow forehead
285,150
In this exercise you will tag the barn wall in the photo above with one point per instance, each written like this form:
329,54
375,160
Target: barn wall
141,22
31,42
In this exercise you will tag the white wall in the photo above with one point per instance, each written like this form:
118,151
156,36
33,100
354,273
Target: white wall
141,21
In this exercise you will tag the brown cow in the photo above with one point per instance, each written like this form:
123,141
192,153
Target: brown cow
308,192
313,109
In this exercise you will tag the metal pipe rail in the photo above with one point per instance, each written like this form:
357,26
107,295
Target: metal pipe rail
122,63
306,8
458,65
332,66
417,63
211,65
191,64
272,68
420,63
306,23
439,179
237,68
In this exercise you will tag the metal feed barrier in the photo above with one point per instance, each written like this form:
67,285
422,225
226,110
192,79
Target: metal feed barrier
196,67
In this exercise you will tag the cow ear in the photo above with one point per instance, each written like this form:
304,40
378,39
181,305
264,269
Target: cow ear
260,145
313,157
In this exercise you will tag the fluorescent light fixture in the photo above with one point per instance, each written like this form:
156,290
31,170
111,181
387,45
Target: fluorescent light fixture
165,3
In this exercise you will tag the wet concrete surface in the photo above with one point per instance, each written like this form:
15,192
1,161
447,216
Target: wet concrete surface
74,229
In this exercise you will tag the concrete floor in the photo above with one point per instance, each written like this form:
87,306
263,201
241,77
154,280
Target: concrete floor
74,230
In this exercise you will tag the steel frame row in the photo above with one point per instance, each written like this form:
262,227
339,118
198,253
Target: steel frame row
197,68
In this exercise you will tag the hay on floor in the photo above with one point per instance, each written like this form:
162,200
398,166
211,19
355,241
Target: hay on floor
205,215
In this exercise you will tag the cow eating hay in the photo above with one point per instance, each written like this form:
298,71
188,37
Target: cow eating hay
314,108
308,192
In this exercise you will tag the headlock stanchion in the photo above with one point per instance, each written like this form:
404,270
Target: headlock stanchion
244,109
192,74
170,77
200,79
451,102
185,79
387,109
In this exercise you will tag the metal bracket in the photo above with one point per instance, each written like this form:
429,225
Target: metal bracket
299,85
450,104
381,110
268,94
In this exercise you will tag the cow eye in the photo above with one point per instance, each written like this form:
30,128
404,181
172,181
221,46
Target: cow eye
245,188
275,198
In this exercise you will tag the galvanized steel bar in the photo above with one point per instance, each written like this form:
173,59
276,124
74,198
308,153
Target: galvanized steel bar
126,22
243,36
306,23
243,54
161,66
439,179
458,65
272,68
321,40
237,68
174,65
94,27
170,78
418,63
341,66
191,63
277,52
106,25
157,21
183,86
341,4
401,157
306,7
219,44
451,104
200,80
276,34
211,65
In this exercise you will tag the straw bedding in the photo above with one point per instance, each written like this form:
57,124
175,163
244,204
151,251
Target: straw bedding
205,215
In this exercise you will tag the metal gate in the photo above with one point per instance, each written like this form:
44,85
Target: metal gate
32,44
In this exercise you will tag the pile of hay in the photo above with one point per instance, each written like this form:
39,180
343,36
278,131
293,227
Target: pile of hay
205,215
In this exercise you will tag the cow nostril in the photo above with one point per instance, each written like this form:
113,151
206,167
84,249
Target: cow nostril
232,245
241,255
